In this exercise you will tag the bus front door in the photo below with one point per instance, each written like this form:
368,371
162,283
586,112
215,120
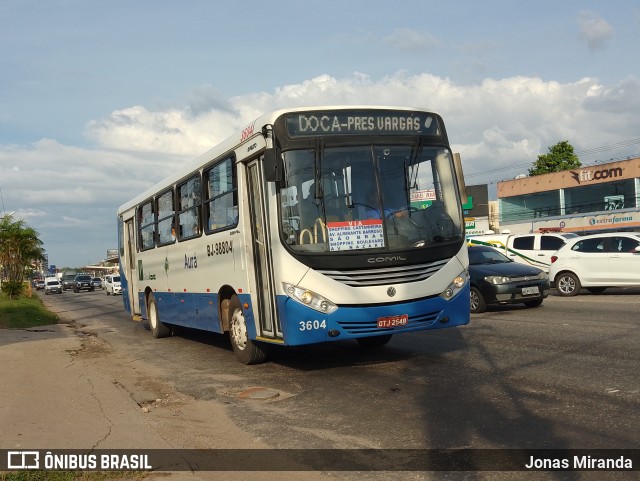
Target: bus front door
264,292
130,269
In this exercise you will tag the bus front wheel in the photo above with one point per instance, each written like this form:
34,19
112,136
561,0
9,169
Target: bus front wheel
246,350
158,328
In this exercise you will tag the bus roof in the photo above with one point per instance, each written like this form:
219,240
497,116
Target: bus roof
249,133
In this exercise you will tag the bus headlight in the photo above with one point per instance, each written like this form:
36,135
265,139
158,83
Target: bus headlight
456,285
309,298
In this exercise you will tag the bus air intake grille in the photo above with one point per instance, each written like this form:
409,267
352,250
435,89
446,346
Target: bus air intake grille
371,326
380,276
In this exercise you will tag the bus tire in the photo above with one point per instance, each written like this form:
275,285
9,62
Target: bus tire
157,327
374,341
246,350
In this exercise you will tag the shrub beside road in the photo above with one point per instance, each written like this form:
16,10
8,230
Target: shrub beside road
24,313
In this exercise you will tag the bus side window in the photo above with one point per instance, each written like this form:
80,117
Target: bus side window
221,191
189,208
146,226
166,213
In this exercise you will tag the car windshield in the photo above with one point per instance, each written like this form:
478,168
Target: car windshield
53,283
83,278
116,279
384,197
486,256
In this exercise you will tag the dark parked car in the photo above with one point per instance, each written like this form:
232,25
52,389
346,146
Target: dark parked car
97,282
83,283
496,279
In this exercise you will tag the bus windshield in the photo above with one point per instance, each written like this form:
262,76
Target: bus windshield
382,198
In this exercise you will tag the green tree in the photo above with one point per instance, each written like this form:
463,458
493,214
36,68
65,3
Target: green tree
19,247
560,157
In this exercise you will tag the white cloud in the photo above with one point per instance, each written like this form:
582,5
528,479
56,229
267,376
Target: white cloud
594,30
499,126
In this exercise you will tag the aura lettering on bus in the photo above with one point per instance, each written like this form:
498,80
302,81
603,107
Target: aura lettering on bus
190,262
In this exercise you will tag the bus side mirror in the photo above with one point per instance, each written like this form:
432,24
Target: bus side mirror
273,166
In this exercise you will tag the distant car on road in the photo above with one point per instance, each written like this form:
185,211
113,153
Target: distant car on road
112,284
83,283
595,262
39,283
496,279
96,282
68,279
52,286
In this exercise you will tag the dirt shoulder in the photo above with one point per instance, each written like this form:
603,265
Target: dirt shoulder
65,387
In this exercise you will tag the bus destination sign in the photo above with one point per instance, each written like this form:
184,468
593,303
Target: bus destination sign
361,122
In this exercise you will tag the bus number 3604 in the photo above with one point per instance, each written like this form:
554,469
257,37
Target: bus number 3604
312,325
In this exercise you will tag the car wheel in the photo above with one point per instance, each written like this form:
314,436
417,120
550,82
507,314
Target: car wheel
158,328
246,350
374,341
478,303
567,284
536,303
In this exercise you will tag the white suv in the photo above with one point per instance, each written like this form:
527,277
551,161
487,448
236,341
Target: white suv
112,284
596,262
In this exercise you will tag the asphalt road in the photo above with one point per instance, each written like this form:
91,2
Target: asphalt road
563,375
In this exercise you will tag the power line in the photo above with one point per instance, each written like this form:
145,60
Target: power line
604,148
585,152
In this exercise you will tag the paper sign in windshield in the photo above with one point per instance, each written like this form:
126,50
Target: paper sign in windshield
357,234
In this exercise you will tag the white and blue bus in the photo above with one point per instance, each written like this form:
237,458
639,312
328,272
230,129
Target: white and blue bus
310,225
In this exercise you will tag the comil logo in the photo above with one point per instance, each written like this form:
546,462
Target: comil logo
585,175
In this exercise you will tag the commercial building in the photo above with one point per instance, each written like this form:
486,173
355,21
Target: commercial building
598,198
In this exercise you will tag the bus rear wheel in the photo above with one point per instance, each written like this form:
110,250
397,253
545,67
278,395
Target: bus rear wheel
158,328
246,350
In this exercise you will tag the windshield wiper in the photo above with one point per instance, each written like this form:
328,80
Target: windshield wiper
411,177
317,168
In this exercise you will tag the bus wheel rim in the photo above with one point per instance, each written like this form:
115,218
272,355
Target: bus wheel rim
152,316
239,330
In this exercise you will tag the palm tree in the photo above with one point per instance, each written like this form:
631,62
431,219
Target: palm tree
19,247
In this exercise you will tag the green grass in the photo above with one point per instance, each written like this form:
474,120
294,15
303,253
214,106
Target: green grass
23,313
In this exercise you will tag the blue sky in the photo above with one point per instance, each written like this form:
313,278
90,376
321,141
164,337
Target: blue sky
98,100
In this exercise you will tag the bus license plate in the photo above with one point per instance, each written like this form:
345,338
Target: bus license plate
530,291
393,321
